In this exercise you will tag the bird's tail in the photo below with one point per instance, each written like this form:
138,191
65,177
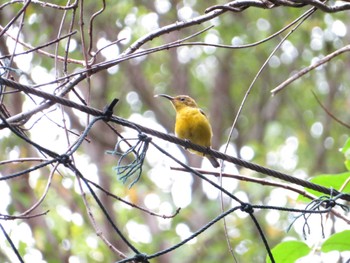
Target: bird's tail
214,162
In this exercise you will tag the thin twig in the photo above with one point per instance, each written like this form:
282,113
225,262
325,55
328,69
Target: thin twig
329,113
302,72
90,31
132,204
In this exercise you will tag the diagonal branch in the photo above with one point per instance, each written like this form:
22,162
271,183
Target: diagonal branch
95,112
302,72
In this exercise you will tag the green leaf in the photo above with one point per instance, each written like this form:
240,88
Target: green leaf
289,251
334,181
346,151
347,165
346,148
339,242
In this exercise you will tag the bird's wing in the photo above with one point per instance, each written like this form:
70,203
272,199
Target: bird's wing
201,111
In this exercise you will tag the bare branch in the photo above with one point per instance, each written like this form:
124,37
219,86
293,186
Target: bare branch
306,70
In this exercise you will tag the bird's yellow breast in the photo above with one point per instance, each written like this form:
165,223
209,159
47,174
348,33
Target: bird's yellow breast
192,124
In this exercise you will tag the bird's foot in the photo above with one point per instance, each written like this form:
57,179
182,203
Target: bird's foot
208,149
187,140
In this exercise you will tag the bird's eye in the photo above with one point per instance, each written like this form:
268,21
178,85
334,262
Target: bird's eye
182,99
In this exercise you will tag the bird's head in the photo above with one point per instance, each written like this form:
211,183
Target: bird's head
180,101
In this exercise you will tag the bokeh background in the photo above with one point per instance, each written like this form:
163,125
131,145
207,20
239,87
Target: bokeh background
289,132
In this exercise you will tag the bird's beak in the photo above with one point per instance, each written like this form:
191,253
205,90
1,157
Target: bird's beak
165,96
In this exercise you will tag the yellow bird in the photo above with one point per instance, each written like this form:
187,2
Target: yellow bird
191,123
